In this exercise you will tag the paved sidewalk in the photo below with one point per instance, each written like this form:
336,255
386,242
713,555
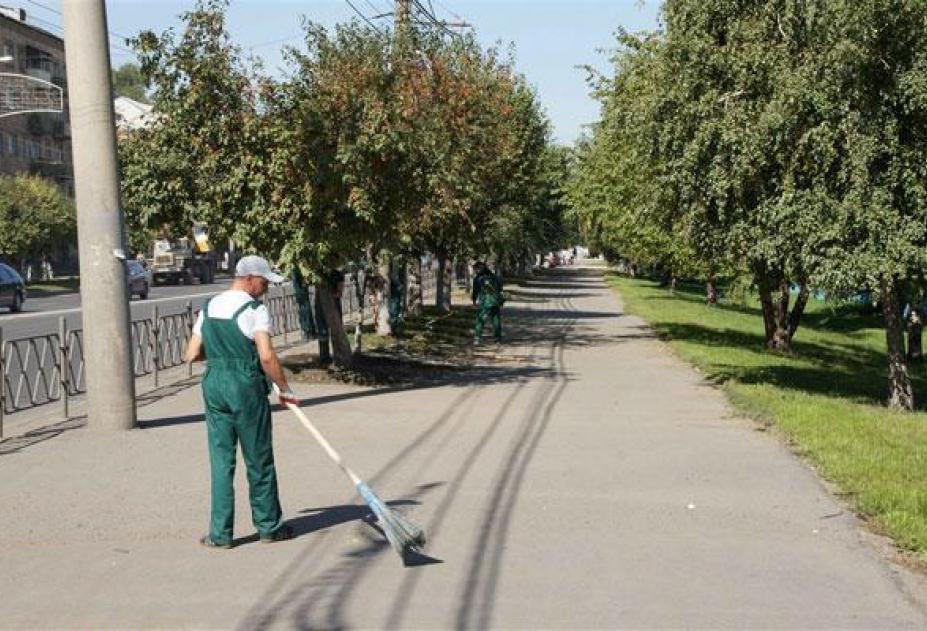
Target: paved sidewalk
589,480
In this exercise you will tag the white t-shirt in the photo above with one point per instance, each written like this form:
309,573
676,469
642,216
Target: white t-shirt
224,306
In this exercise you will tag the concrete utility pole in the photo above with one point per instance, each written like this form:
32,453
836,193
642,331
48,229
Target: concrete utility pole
402,14
100,224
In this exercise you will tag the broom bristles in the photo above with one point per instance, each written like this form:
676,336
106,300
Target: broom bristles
401,533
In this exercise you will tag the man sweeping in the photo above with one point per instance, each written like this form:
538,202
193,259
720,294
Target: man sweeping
233,334
488,297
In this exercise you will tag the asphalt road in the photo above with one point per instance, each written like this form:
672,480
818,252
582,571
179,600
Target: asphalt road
40,315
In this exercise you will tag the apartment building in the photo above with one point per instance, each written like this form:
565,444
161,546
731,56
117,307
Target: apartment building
37,143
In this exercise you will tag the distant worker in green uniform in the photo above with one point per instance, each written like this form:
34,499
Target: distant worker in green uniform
488,297
232,333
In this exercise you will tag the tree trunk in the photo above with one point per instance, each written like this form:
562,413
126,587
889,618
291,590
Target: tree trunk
781,339
414,297
341,349
232,257
915,339
798,310
711,291
766,286
382,312
462,271
900,391
444,281
308,324
429,287
361,295
398,295
769,317
448,286
322,331
779,321
439,282
666,277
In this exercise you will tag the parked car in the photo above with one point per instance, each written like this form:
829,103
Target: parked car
138,279
12,289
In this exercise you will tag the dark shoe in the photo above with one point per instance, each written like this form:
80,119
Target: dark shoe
282,534
209,543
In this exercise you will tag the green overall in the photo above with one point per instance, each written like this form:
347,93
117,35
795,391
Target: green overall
487,291
237,410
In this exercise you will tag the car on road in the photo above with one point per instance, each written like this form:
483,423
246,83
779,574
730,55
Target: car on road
138,279
12,289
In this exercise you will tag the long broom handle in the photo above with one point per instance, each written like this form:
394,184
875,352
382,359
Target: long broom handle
334,455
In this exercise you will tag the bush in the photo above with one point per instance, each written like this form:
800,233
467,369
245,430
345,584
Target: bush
36,218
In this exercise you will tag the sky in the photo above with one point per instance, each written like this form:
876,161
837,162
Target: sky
551,38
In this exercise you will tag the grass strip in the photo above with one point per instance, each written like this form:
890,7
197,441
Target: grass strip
826,397
45,288
434,333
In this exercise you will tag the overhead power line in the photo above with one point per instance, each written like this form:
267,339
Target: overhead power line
431,18
377,11
275,41
364,17
422,15
444,6
44,6
60,30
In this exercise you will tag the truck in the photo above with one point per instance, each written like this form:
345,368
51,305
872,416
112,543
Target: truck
183,260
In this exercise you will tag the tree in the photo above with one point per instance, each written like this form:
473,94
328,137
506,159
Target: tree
36,218
730,69
194,162
546,224
699,133
128,81
481,147
782,137
452,83
622,192
865,146
372,146
525,182
335,176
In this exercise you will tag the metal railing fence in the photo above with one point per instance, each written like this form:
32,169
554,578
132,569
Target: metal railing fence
47,368
31,371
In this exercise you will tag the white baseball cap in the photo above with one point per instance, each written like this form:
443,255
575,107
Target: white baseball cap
256,266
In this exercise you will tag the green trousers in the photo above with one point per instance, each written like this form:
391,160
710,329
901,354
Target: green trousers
484,312
237,411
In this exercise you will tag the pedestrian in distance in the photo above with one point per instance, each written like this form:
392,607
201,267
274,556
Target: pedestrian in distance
233,334
488,297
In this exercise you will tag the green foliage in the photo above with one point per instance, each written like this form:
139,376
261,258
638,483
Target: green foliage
129,81
195,161
619,193
337,177
520,180
481,154
371,143
549,226
35,217
779,138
